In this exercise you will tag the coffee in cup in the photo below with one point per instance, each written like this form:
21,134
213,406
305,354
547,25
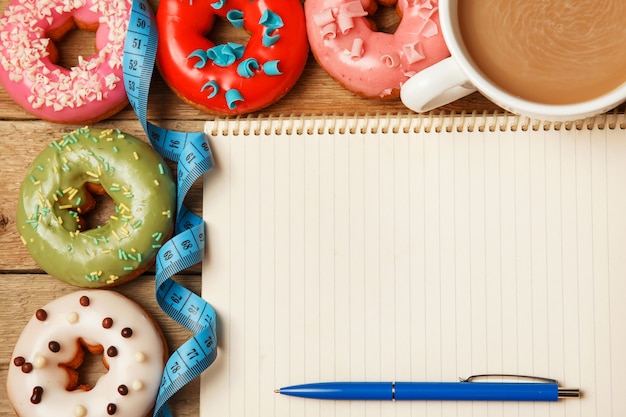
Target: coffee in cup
547,51
555,60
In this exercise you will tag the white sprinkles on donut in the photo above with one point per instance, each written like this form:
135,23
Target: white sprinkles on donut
39,381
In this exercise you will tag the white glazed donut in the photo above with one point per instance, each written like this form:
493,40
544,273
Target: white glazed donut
42,377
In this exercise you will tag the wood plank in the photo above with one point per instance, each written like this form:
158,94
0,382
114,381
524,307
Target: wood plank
314,93
22,294
22,143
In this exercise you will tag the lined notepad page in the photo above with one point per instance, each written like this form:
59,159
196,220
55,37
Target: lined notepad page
340,250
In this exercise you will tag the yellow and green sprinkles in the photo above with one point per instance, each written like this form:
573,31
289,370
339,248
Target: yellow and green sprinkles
57,187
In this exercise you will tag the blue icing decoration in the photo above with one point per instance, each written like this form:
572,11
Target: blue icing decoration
271,68
218,4
225,54
269,40
214,88
235,17
247,67
271,20
201,55
231,97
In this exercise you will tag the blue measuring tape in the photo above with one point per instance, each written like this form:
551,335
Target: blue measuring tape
193,154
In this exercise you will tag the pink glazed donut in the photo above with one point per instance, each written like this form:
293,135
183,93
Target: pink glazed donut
374,64
91,90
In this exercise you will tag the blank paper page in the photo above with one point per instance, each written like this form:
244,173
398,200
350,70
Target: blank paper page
415,249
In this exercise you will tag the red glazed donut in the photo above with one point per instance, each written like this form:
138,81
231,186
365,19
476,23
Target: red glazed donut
374,64
231,78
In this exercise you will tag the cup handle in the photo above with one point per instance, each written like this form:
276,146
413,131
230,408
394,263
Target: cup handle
439,84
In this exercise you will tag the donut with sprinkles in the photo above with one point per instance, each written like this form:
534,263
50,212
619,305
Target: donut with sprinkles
231,78
44,377
61,187
89,91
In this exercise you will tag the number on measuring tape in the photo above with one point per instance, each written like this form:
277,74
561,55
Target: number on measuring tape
186,248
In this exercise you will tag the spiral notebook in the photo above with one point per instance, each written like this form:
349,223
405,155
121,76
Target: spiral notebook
415,248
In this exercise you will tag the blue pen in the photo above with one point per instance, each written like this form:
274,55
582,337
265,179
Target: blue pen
464,390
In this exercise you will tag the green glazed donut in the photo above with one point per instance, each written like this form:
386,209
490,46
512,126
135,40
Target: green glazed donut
57,192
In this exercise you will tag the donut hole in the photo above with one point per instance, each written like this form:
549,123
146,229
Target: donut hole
102,212
71,42
86,368
386,19
95,210
91,370
223,32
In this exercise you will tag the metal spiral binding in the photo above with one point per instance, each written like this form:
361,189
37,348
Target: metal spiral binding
433,122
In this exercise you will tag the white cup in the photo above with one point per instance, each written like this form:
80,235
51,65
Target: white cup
457,76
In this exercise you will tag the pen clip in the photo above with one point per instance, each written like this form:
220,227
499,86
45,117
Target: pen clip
473,378
561,392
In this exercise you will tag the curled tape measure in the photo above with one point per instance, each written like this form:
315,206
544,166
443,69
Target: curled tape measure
192,153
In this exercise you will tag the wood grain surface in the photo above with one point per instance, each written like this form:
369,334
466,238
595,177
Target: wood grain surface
24,286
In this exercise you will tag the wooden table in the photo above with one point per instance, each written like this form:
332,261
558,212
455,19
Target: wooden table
24,286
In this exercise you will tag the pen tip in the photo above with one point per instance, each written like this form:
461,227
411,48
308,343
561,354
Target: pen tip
276,391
